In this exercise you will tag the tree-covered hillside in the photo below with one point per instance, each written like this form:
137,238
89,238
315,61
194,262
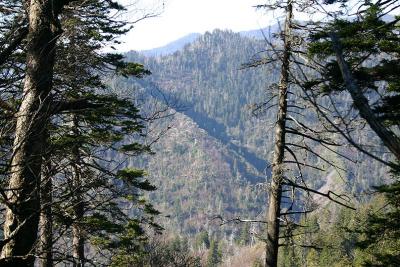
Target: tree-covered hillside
207,78
217,151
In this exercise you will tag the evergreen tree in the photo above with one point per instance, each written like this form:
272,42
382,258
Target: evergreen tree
245,235
366,65
64,85
202,239
381,231
214,254
360,67
22,217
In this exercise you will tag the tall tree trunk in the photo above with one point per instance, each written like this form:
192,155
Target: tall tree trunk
46,216
78,241
46,225
22,213
275,190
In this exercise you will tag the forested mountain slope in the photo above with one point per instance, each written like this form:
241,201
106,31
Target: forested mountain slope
216,153
206,77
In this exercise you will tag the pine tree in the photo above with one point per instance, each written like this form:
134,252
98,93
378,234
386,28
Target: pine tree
214,254
54,88
366,65
360,66
202,240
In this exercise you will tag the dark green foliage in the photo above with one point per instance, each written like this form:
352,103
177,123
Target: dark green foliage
381,232
130,176
214,256
348,238
371,47
244,236
127,69
89,121
389,109
202,239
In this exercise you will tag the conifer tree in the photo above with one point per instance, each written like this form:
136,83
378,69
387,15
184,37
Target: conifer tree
214,254
365,59
50,94
360,66
21,223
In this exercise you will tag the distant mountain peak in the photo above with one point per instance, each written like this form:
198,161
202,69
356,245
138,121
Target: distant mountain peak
180,43
171,47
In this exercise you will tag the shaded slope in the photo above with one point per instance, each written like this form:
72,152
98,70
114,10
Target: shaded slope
198,178
218,131
206,76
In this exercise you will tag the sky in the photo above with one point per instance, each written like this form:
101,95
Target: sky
178,18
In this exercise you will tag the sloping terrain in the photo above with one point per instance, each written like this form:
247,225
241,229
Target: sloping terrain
216,153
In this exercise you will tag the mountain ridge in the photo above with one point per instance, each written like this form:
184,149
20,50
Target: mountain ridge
181,42
170,47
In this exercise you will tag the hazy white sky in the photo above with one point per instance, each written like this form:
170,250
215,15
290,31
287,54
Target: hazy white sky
178,18
181,17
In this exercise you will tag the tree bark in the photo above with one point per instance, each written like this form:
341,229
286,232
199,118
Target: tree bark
78,241
275,190
389,139
22,215
46,216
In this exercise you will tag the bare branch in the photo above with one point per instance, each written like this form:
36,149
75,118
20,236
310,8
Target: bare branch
327,195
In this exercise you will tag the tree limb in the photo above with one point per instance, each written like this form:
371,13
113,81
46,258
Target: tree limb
6,53
327,195
73,105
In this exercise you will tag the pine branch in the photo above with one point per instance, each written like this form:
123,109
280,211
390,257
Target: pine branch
7,52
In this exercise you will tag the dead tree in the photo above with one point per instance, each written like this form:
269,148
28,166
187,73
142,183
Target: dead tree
78,240
275,189
293,138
